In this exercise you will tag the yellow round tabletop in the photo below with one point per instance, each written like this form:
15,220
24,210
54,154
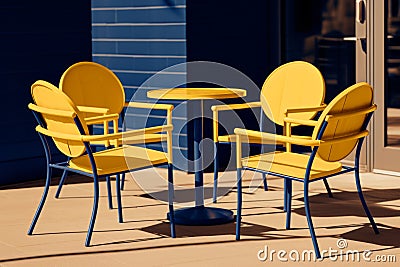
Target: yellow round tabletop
196,93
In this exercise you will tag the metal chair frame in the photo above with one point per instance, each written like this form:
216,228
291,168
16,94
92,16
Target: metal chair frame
360,136
96,177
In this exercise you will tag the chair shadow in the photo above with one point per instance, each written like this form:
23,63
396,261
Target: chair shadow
55,180
343,203
182,195
249,229
162,231
347,203
388,235
188,195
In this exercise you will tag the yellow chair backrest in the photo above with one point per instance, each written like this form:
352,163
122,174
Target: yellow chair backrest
94,85
296,84
357,97
46,95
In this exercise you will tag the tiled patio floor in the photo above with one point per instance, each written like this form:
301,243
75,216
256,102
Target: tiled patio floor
143,239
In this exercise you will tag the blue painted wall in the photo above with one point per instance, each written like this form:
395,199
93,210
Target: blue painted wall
136,39
37,42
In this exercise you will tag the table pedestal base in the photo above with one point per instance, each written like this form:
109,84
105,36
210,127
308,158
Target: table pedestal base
202,216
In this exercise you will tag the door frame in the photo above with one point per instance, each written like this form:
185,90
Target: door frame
382,158
363,74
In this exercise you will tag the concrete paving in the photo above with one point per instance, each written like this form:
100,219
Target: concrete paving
144,238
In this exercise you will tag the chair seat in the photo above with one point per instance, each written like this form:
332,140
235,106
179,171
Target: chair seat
292,164
119,159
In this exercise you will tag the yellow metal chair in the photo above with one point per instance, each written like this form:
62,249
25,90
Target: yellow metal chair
100,97
340,128
294,90
60,120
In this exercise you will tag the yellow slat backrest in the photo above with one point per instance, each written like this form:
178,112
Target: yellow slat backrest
48,96
357,97
296,84
94,85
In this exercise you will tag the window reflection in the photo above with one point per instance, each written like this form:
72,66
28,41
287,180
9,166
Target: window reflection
338,18
315,32
392,88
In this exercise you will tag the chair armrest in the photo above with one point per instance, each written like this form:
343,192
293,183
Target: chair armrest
216,108
104,119
300,121
149,105
103,137
71,137
288,122
351,113
308,109
93,110
243,133
276,137
113,138
101,119
119,135
346,138
167,107
53,112
236,106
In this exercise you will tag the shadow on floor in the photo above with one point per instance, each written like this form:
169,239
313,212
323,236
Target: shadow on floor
388,236
71,179
162,230
345,203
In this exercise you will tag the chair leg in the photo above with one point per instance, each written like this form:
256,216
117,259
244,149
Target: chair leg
288,195
123,181
94,209
119,199
216,166
364,203
109,193
239,202
60,185
264,178
328,188
171,199
309,221
284,195
42,201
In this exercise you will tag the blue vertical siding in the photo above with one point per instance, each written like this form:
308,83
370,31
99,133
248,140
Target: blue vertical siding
136,39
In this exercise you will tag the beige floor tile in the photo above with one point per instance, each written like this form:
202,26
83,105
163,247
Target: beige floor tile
143,239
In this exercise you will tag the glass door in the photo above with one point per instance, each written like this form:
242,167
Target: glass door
352,41
385,76
322,33
332,35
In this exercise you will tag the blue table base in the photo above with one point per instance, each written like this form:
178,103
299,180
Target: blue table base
202,216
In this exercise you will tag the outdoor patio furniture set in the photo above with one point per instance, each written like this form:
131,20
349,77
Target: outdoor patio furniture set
292,95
